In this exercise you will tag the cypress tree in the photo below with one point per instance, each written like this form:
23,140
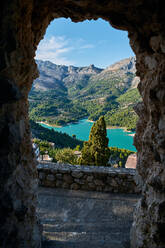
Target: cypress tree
96,151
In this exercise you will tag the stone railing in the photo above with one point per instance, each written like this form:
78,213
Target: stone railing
91,178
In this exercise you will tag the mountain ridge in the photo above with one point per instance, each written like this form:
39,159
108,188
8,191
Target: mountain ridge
62,74
52,73
64,94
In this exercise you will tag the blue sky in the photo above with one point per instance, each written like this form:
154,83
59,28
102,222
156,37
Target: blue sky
83,43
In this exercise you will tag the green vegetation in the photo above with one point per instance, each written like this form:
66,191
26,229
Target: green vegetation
95,151
45,147
53,108
60,111
131,97
61,140
65,155
118,157
67,94
124,115
122,118
119,111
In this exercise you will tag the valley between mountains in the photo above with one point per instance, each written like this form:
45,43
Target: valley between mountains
65,94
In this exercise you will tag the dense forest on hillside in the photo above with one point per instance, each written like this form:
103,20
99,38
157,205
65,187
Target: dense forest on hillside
66,94
60,140
59,110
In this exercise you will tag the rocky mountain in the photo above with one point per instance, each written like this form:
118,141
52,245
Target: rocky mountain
54,76
118,77
65,94
125,69
125,66
63,77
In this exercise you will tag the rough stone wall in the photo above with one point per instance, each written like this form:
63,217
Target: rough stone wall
149,218
23,24
89,178
18,183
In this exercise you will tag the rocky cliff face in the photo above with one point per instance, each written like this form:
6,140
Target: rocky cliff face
126,65
52,76
123,73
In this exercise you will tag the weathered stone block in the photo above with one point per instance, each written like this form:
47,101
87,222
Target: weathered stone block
77,174
113,183
41,175
99,188
109,179
50,177
75,186
59,183
79,181
98,182
84,187
65,185
122,180
64,170
89,178
107,189
59,176
91,185
49,183
68,178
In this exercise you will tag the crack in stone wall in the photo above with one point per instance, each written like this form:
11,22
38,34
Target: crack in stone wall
23,24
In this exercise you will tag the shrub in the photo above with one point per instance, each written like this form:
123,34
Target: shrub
66,155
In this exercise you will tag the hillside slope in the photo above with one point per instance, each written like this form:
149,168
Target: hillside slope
60,140
64,94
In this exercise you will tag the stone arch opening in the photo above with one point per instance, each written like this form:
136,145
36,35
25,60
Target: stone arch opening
75,78
22,27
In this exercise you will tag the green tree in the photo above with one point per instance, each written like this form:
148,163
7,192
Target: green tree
95,151
120,163
66,155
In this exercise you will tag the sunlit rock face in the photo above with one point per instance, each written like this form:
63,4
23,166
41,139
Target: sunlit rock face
23,24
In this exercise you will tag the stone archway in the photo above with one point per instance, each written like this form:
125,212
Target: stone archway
23,24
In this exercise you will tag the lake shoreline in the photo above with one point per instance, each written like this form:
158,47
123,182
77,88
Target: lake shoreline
117,127
131,134
55,125
108,127
118,137
49,125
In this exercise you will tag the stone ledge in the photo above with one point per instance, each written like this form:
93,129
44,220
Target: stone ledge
90,178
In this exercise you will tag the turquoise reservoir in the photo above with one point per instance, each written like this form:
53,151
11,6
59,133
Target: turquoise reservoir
117,137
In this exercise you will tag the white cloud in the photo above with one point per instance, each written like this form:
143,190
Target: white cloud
57,48
54,50
81,44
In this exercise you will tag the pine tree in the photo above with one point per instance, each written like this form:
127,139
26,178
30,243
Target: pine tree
96,151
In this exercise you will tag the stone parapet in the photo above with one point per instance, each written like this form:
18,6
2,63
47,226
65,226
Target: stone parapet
90,178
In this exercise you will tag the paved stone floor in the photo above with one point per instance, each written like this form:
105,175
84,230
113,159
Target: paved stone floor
79,219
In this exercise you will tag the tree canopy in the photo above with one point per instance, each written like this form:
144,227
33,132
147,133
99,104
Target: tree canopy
96,151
